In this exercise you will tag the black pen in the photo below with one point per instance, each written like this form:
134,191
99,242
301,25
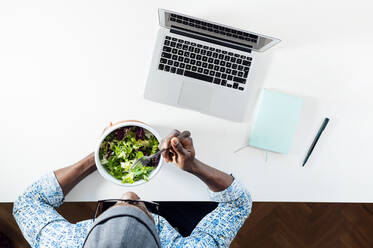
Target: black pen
323,125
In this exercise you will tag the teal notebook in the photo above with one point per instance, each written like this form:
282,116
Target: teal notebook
275,121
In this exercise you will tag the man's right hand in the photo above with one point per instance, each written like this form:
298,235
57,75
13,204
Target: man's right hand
181,152
180,149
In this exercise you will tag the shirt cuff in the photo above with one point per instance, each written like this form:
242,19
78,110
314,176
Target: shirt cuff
231,193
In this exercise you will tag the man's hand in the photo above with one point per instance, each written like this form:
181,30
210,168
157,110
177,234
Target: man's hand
180,149
181,152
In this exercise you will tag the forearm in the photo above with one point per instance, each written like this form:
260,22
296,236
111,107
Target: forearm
215,179
70,176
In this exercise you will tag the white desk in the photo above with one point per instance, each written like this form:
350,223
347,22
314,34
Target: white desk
67,68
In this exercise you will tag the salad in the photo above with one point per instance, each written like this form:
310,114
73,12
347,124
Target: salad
120,149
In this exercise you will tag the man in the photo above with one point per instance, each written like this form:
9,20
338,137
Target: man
129,224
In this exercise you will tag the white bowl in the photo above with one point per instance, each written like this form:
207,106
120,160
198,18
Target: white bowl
103,171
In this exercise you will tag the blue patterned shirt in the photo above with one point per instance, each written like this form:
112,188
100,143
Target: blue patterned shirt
43,226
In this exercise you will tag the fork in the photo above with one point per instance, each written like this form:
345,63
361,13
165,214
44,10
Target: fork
145,159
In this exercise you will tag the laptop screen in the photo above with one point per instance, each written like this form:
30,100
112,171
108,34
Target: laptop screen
254,41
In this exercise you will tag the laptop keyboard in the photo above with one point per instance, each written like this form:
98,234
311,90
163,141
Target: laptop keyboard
205,63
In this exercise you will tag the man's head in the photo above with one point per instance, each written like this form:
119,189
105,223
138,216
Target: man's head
126,224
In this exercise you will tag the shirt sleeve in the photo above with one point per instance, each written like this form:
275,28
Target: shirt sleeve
218,228
40,223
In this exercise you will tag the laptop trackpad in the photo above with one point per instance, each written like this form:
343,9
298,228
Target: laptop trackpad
195,95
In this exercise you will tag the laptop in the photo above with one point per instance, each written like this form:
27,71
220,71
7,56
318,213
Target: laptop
203,66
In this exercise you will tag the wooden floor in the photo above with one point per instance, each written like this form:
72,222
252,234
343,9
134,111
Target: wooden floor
270,225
